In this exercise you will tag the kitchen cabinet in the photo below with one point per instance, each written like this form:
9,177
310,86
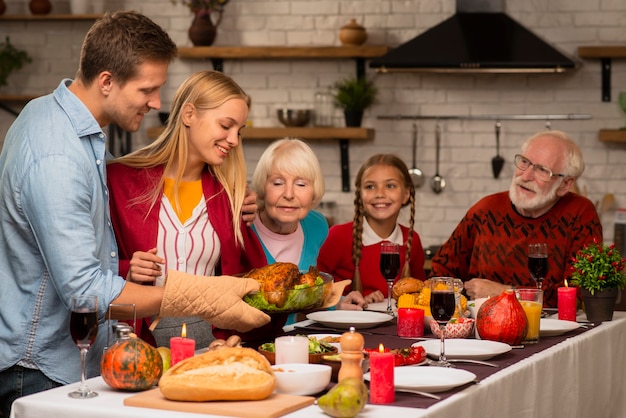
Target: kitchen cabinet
605,54
217,54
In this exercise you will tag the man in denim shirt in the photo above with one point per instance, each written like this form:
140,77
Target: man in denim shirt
56,238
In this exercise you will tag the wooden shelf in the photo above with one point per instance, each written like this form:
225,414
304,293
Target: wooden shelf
315,134
51,17
612,135
280,52
605,54
344,135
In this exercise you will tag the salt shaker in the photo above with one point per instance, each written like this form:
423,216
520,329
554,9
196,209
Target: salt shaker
352,344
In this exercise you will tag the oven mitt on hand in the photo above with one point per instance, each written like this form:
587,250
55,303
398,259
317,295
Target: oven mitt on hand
336,291
217,300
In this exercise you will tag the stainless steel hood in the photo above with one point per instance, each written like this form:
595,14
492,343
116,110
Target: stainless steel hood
476,39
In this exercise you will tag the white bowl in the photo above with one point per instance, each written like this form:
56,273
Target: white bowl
301,378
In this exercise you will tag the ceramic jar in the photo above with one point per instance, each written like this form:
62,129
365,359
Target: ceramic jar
352,34
40,7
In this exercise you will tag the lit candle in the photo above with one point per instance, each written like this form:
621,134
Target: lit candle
567,303
410,322
181,347
291,349
382,389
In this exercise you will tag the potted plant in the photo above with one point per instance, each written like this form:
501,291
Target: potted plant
354,95
11,59
203,29
598,270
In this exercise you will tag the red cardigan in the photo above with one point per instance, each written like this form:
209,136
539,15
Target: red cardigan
136,226
335,258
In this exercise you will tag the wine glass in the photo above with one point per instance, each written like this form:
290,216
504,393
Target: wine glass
389,267
538,262
442,305
83,328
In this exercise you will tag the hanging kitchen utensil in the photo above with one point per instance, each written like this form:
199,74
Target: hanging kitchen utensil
417,176
497,162
437,183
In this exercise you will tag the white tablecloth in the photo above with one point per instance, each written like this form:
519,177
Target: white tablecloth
584,376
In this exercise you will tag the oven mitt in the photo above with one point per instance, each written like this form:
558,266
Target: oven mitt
336,291
217,300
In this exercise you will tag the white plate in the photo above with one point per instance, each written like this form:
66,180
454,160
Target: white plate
465,348
552,327
321,336
347,319
429,379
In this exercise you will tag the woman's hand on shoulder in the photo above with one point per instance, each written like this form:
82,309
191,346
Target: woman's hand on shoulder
145,267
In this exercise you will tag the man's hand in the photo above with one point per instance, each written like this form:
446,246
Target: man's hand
375,297
484,288
249,208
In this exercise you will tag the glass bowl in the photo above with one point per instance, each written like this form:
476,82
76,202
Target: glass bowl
296,300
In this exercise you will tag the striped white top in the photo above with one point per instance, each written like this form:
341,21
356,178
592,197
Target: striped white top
192,247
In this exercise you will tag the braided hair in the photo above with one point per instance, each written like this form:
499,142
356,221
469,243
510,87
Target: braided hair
390,160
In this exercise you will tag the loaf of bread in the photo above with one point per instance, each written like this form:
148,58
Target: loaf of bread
406,285
226,374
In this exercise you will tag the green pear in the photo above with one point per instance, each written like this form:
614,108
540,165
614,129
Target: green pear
345,400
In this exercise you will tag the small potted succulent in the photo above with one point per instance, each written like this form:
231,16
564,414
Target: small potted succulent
11,59
598,270
354,95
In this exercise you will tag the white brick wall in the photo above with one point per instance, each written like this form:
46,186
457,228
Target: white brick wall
467,146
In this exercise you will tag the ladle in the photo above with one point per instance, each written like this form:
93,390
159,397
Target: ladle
437,183
417,176
497,162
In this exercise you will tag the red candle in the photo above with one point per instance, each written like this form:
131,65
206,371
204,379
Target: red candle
567,303
382,389
181,347
410,322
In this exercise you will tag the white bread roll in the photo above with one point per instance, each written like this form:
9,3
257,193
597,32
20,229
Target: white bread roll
226,374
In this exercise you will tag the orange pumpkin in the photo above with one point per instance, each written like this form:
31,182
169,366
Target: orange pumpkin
502,318
131,363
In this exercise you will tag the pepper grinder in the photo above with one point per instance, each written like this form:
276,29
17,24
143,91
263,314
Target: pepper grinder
352,344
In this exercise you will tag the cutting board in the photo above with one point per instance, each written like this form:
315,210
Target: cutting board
275,406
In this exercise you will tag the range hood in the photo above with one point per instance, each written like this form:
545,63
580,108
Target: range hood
479,38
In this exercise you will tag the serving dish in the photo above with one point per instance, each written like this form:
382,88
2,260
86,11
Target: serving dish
552,327
347,319
465,348
301,379
296,300
429,379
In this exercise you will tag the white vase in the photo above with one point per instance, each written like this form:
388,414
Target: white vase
79,7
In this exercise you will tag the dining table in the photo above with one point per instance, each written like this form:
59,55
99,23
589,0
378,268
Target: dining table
579,373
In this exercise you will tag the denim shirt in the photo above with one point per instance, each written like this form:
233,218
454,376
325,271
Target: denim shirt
56,237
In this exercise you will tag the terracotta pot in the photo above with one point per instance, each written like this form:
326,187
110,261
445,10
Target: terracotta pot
599,306
352,34
40,7
203,30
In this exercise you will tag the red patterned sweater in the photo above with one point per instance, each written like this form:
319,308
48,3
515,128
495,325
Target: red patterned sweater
492,239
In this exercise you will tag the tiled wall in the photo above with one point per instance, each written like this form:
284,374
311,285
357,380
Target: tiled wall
467,146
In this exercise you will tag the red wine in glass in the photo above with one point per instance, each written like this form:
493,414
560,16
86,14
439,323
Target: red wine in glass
83,329
538,262
389,267
442,306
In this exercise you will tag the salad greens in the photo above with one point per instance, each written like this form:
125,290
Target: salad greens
302,297
315,346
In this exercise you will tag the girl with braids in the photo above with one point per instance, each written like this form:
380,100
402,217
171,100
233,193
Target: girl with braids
352,250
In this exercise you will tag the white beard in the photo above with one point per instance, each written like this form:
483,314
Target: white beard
539,201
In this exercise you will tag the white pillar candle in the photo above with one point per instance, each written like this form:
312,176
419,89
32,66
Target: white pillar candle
292,349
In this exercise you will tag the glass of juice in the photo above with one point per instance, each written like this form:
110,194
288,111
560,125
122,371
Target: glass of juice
531,300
